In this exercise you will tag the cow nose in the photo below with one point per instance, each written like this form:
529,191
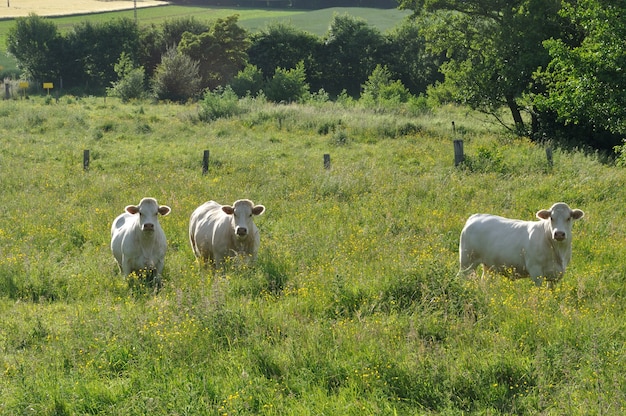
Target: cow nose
241,231
559,235
148,226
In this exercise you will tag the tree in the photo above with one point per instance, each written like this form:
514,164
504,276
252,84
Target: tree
92,50
406,57
492,46
584,84
177,77
282,45
221,51
349,54
173,29
36,45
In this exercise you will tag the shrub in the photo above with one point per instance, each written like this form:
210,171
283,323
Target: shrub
131,80
177,78
220,103
248,81
287,85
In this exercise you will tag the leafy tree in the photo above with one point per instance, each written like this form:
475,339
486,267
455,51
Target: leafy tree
173,29
151,47
287,85
36,45
131,82
282,45
221,51
585,83
406,57
493,47
93,50
177,77
349,54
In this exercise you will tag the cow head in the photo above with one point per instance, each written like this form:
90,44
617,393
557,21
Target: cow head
148,210
242,212
561,217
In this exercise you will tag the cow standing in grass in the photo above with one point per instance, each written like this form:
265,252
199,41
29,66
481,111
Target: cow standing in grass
137,240
217,232
539,249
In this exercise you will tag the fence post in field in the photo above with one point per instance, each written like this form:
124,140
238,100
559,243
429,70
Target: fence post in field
458,152
549,155
85,160
458,148
326,161
205,162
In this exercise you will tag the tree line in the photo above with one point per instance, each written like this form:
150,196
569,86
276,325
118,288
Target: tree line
556,66
182,57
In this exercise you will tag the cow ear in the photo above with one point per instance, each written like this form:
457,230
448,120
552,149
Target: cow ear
164,210
132,209
577,214
544,214
228,209
258,210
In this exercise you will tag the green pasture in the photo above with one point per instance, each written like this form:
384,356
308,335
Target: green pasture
314,21
354,306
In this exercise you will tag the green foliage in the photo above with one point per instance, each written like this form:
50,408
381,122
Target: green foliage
350,54
91,52
220,51
131,82
287,85
584,82
219,103
282,45
492,48
35,43
380,89
177,77
248,82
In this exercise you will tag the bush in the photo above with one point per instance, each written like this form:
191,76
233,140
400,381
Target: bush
219,103
248,81
380,90
177,78
288,85
131,81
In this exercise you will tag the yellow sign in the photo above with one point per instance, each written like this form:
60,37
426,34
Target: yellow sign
48,85
23,84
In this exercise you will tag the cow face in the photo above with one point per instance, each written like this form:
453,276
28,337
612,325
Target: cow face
561,217
148,210
242,212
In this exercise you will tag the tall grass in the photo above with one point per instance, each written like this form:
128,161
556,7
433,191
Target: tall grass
354,306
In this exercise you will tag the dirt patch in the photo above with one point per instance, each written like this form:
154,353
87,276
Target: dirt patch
20,8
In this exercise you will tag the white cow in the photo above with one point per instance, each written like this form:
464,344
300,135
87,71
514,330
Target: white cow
220,231
137,239
539,249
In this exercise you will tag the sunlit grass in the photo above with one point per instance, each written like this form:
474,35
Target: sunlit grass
354,305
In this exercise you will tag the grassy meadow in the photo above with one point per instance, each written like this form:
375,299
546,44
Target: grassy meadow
354,306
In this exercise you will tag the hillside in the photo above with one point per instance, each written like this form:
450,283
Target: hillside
354,306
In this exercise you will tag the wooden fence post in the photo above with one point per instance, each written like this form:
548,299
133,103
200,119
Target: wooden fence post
86,160
205,162
458,152
549,155
326,161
